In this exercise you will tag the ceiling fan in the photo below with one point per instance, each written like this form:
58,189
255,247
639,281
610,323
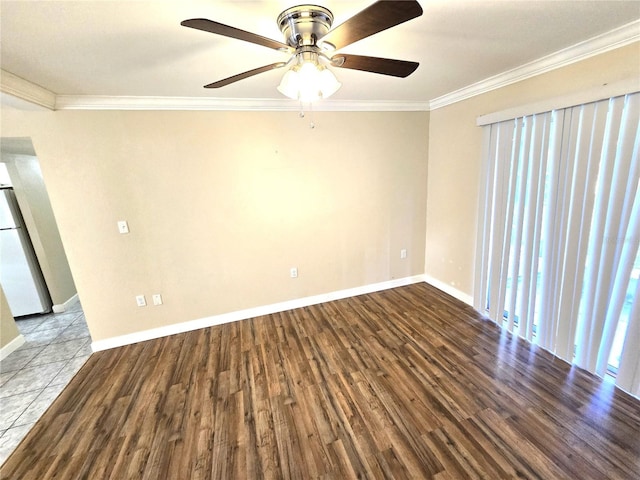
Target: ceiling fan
311,43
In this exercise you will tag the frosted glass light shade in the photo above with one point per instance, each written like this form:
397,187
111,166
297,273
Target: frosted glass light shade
309,82
329,84
290,84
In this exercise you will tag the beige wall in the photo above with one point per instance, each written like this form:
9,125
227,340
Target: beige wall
35,206
455,144
8,329
221,204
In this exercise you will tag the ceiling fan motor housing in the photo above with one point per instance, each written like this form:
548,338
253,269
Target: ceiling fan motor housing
304,25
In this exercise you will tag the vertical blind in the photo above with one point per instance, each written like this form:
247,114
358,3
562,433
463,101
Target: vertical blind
559,233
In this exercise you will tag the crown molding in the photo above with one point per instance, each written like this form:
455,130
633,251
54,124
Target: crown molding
25,90
616,38
30,92
95,102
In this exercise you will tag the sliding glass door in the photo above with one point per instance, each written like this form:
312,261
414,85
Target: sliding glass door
558,241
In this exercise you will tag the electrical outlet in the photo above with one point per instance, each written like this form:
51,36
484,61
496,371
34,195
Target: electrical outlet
157,299
294,272
123,226
403,253
141,301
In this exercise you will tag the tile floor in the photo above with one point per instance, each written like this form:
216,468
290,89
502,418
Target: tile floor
31,378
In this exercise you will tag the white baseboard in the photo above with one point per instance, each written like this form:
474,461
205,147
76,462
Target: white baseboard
63,307
454,292
11,347
159,332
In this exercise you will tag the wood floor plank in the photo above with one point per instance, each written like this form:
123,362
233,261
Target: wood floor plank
403,383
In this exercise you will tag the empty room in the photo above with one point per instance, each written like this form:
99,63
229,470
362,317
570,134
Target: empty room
353,239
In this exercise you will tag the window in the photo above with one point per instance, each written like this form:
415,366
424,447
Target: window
625,316
558,255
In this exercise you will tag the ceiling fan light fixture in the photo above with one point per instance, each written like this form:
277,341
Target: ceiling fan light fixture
309,81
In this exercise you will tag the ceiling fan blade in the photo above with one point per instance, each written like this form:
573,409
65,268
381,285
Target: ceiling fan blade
385,66
221,29
242,76
373,19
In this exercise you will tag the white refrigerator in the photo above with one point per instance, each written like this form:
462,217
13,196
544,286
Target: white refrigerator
20,274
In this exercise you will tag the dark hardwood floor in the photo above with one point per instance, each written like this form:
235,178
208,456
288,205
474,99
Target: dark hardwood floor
405,383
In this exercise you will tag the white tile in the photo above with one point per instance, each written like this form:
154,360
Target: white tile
42,337
33,378
5,376
19,359
12,407
85,351
80,319
73,331
11,439
39,405
29,324
59,320
57,352
69,370
76,307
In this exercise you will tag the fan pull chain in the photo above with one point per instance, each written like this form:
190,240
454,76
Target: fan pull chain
312,125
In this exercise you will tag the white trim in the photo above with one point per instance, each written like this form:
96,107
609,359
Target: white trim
12,346
182,327
25,90
616,38
616,89
99,102
448,289
63,307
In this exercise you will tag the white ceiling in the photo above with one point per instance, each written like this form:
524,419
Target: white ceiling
138,48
